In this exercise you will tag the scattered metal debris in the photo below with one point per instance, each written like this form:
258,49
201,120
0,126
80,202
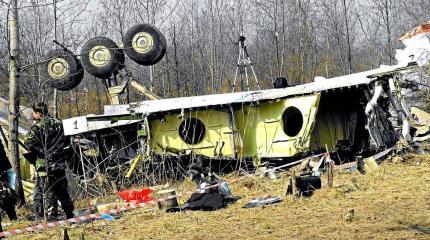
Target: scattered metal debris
265,200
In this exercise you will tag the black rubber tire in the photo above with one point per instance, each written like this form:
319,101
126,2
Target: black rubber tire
71,79
163,52
154,54
113,64
79,75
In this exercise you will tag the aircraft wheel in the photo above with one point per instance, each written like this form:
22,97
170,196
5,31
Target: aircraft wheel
62,70
100,57
144,44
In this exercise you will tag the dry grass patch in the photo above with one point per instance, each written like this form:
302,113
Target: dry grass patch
391,202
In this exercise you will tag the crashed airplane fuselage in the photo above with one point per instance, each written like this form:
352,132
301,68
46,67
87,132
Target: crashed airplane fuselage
268,124
357,114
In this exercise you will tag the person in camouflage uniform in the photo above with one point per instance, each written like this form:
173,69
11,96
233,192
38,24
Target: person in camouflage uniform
46,141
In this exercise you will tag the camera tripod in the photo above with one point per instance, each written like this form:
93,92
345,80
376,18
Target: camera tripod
243,62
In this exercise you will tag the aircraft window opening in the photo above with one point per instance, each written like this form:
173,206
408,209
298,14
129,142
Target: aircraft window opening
192,130
292,119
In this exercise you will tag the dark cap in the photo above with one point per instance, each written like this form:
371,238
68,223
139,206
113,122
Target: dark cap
40,107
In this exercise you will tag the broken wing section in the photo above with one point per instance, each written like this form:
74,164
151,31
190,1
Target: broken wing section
277,129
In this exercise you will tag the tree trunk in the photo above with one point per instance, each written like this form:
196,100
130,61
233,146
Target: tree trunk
175,56
55,38
14,96
212,48
388,27
193,62
348,41
275,22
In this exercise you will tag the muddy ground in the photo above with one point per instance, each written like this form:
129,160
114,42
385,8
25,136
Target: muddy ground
392,202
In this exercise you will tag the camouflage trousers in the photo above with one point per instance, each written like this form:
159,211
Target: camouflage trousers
49,189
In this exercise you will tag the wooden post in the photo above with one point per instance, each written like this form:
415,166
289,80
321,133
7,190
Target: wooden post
14,95
293,183
329,165
330,174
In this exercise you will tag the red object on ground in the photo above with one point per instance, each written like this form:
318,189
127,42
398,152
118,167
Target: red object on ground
136,195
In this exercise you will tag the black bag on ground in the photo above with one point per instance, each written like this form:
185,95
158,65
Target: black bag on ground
206,201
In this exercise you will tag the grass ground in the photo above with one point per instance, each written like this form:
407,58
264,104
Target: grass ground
392,202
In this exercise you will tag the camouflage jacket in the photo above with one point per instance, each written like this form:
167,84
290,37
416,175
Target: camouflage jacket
46,140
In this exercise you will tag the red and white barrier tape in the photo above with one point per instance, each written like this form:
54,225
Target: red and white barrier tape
130,206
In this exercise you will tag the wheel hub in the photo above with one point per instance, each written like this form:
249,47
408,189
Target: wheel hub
99,56
142,42
58,68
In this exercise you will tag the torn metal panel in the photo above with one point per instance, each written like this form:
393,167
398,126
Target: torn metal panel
202,132
76,125
421,123
380,129
417,43
421,116
277,129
